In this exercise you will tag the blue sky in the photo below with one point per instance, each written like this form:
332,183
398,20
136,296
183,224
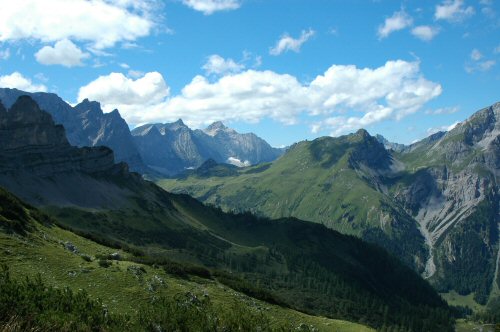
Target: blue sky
286,70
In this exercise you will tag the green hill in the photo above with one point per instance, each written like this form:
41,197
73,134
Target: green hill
434,204
32,245
324,181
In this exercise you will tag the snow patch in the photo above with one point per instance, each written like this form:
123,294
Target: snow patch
236,162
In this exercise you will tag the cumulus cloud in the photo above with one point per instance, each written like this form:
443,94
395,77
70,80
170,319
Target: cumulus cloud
18,81
287,43
116,90
218,65
425,32
64,53
434,130
453,11
368,95
398,21
103,23
209,7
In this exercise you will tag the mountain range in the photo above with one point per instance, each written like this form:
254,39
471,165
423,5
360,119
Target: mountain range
171,148
292,263
166,149
434,204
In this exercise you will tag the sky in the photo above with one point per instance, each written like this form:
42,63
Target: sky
287,70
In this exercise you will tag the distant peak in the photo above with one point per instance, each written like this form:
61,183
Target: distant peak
87,104
362,132
217,127
174,126
25,102
179,123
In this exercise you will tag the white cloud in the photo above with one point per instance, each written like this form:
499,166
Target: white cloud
393,90
103,23
486,65
478,65
476,55
398,21
5,54
117,89
64,53
209,7
434,130
425,32
18,81
287,43
218,65
443,110
237,162
453,11
497,50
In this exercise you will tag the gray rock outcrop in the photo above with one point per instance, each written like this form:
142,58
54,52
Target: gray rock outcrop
85,124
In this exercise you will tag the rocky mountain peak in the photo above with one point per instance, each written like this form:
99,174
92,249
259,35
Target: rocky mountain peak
26,124
217,127
85,124
179,122
390,145
26,110
362,133
174,126
369,151
150,131
86,104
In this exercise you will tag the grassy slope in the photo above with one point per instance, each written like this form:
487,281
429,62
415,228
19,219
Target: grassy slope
270,194
337,196
305,264
41,251
321,187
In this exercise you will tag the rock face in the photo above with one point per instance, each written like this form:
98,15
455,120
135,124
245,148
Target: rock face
173,147
36,155
85,124
390,145
454,196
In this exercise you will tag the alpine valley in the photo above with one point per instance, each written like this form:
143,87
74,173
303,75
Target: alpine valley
336,234
434,204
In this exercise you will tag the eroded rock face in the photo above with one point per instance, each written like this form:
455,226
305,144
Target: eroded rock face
31,142
86,124
455,198
38,164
